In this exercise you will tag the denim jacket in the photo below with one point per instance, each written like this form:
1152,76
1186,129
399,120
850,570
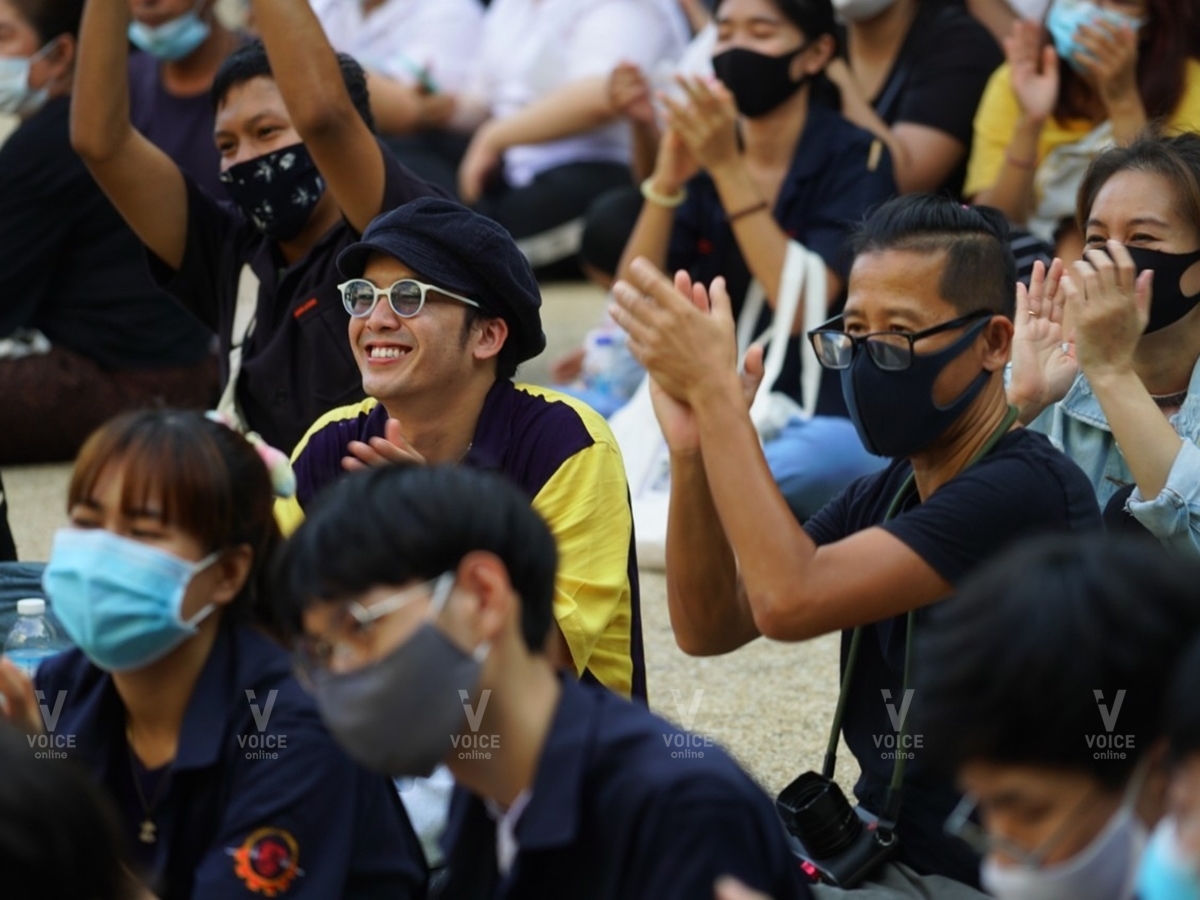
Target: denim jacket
1077,426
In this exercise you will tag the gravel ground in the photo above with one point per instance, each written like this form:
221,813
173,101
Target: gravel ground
769,703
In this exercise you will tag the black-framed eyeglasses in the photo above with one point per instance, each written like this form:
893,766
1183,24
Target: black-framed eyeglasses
406,296
891,351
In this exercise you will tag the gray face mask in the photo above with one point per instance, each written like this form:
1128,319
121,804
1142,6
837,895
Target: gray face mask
400,715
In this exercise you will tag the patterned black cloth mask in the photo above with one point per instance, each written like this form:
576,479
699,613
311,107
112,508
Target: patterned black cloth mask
276,191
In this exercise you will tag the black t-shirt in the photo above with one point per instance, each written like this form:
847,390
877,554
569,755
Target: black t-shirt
939,75
838,173
297,363
1023,487
71,267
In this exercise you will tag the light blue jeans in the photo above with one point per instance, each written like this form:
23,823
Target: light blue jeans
813,460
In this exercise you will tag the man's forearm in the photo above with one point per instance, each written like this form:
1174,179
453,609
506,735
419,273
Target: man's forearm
100,120
708,612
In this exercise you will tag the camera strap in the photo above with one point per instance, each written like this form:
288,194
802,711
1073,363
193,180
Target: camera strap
891,811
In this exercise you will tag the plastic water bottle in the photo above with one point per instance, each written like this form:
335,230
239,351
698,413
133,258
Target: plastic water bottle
32,638
599,354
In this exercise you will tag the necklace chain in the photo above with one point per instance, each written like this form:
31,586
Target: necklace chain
148,832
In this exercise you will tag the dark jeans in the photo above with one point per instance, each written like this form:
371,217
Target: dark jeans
546,217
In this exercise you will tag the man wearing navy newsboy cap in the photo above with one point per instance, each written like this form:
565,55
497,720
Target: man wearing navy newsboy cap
443,308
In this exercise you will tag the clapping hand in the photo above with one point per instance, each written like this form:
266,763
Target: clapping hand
1109,304
391,449
1034,70
1044,364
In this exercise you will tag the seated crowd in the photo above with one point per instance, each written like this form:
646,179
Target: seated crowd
372,625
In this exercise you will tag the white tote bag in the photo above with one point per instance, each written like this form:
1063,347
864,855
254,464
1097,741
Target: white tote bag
647,460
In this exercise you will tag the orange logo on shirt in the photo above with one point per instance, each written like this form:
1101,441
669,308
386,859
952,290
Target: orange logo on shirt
268,861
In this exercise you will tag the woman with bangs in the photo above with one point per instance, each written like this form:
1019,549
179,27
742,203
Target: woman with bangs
177,700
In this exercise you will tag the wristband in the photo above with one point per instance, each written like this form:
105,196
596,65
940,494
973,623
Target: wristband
669,201
748,211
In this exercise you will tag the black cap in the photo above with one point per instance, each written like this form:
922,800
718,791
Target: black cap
461,251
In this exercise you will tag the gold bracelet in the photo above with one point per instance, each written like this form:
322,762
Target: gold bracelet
668,201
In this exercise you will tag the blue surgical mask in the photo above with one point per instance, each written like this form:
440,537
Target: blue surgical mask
173,39
17,98
1066,17
118,599
1166,872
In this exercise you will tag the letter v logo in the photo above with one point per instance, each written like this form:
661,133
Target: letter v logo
687,714
1109,716
474,716
261,716
50,718
897,717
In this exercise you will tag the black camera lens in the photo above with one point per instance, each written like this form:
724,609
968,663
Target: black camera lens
816,811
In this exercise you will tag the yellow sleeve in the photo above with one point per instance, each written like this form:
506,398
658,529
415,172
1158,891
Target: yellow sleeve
586,504
288,515
1187,115
994,123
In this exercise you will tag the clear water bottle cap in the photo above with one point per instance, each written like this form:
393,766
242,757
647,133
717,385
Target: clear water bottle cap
33,607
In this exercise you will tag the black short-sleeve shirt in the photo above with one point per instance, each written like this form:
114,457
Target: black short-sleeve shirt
1024,486
297,362
71,267
838,173
939,75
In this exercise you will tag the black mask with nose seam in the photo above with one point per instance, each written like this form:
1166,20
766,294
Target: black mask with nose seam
759,83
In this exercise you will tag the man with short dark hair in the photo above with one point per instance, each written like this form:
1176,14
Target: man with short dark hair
1044,689
921,348
443,307
424,596
307,174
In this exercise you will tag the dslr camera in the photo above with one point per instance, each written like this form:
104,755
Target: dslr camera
836,843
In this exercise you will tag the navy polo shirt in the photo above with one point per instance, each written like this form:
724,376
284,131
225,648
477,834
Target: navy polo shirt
623,805
563,455
259,800
297,362
838,174
1022,488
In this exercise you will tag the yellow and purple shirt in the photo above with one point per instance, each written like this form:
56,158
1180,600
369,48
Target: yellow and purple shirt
562,453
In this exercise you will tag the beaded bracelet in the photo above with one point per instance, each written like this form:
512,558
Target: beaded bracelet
670,201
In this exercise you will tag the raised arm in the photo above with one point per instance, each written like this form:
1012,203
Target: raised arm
792,589
310,81
996,15
143,183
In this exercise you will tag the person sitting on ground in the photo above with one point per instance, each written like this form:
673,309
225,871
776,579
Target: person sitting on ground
84,332
1170,867
443,307
1119,388
418,57
291,120
1063,765
921,349
424,600
747,166
177,700
547,140
182,44
1107,68
913,75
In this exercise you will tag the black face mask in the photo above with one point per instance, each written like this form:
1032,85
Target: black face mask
1167,304
759,83
894,412
276,191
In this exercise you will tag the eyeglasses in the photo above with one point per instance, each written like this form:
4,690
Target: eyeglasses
313,655
891,351
406,296
960,825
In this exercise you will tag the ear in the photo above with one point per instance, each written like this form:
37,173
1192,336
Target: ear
997,343
485,578
491,335
233,569
815,58
60,61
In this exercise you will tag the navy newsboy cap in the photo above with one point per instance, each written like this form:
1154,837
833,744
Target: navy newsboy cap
456,248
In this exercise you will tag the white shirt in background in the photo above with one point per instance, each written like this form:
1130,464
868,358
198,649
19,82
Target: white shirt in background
1030,9
401,38
534,47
